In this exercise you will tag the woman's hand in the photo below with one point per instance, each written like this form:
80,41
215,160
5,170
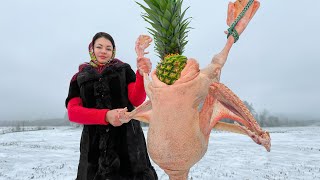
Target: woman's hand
112,117
234,9
144,65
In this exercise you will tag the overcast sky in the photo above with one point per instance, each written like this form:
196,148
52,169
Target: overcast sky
275,64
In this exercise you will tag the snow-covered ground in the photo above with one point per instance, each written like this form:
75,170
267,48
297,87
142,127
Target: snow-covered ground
53,155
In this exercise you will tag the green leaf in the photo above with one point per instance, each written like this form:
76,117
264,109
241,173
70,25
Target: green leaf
153,5
184,44
168,26
152,15
165,23
174,21
163,5
184,12
167,14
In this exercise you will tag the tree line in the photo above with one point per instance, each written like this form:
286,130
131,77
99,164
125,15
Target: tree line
267,119
264,118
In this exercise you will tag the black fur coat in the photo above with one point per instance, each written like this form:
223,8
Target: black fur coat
108,152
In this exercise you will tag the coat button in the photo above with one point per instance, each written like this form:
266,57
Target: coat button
107,130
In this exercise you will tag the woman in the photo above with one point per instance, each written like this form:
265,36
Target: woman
97,93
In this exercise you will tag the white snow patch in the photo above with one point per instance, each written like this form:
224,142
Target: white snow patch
53,154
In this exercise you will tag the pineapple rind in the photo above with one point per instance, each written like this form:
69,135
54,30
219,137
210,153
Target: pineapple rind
169,69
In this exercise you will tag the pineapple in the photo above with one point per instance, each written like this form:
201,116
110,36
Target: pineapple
169,30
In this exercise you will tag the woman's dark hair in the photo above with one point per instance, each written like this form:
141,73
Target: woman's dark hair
105,35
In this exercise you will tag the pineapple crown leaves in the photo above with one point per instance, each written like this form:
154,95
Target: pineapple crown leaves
169,28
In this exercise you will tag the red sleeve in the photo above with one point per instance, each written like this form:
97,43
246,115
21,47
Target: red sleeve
136,92
79,114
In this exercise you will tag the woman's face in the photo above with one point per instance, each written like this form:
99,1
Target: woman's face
103,50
